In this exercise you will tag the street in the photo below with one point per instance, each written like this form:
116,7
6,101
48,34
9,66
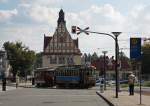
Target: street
51,97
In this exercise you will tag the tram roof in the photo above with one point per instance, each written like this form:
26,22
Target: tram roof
45,69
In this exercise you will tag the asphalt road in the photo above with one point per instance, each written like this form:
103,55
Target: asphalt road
51,97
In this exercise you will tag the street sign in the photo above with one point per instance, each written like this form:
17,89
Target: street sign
77,30
135,48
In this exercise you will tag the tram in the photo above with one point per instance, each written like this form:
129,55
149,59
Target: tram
75,76
44,77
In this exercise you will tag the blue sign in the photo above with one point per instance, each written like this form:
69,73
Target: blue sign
135,48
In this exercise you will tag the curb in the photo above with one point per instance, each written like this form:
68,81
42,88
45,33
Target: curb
108,102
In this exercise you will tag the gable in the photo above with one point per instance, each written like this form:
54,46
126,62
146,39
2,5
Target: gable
46,41
62,43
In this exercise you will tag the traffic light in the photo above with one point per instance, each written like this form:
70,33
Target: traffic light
73,30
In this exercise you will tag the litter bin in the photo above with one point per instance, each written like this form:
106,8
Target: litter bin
101,87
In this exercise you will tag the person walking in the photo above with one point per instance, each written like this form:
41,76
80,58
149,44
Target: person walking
131,81
17,81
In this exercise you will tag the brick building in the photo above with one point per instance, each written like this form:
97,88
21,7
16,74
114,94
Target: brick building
124,67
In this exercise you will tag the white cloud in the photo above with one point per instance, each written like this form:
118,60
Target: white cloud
47,2
139,19
24,5
31,36
44,14
100,18
7,14
3,1
42,3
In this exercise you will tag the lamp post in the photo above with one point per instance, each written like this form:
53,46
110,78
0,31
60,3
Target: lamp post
104,52
114,35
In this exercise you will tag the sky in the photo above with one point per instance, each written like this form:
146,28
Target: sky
28,20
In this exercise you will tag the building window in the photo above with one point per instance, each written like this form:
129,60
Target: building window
70,60
53,60
61,60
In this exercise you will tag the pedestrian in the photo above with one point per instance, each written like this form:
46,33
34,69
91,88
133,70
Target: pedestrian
131,81
17,81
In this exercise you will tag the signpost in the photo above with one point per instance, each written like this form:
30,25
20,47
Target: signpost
135,54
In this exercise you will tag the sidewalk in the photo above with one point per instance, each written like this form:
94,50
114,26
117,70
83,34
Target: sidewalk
26,85
124,99
8,88
12,86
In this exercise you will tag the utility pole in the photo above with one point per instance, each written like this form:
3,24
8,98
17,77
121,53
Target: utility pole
104,52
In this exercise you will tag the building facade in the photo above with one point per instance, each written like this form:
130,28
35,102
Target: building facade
60,49
124,68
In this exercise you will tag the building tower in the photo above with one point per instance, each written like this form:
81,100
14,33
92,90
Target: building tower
60,49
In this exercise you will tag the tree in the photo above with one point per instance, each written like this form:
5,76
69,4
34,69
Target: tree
38,61
89,57
94,57
20,57
146,59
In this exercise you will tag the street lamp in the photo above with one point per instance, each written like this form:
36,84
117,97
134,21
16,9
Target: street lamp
104,52
114,35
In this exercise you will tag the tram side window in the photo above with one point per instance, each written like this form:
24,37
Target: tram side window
77,72
68,72
59,73
64,72
73,72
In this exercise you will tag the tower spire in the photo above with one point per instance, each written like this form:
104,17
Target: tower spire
61,17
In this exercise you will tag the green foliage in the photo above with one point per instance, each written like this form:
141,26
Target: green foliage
38,61
90,58
20,57
94,56
146,59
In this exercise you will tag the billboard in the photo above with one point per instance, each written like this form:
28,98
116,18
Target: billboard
135,48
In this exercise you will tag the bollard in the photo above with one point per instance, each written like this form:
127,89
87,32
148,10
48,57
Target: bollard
33,81
4,84
102,88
